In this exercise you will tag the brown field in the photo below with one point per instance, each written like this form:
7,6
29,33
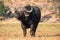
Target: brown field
11,30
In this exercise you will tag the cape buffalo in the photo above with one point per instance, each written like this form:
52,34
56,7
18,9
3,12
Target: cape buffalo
29,17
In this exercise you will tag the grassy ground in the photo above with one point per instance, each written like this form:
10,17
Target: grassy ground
45,31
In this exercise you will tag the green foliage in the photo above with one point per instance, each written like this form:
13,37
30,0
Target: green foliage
2,8
10,15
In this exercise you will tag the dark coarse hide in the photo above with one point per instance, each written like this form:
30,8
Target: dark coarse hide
29,17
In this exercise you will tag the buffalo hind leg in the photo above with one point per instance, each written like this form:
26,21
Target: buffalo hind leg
24,30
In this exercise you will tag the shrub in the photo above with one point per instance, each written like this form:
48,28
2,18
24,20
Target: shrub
2,8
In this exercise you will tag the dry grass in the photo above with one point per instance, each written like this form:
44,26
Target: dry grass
11,30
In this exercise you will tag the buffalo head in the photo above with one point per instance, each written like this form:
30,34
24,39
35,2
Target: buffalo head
26,10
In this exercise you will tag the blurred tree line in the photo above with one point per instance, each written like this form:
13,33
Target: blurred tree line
56,6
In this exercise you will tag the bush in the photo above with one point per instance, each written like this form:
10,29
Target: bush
2,8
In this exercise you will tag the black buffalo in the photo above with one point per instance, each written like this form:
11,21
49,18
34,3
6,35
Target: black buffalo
29,17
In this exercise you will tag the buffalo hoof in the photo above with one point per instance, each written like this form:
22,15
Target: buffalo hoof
32,34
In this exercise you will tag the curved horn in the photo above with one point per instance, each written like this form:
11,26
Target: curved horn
29,10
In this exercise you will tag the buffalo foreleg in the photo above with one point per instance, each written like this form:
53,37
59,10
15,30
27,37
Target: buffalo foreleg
33,29
24,29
